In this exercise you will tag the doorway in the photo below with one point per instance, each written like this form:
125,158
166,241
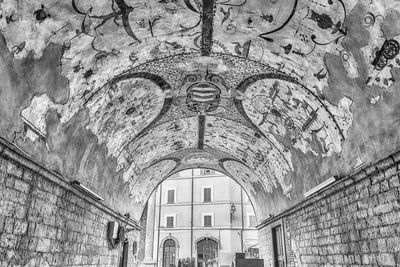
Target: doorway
169,250
207,253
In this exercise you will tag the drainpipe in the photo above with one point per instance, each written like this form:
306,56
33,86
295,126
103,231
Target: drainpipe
191,221
241,231
159,223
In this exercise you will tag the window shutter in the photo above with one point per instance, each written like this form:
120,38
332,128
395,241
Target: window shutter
207,221
171,196
170,222
207,194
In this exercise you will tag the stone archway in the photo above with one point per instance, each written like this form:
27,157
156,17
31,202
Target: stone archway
207,252
161,250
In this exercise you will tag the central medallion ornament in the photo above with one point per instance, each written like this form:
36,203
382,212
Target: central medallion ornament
203,97
203,94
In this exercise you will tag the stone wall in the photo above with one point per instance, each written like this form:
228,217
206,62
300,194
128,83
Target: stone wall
354,222
47,222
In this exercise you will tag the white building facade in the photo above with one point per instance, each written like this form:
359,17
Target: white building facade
201,215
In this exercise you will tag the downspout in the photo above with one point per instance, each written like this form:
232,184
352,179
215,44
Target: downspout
241,231
191,221
159,223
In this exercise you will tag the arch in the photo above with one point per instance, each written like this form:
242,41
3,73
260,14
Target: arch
158,80
206,237
170,237
160,250
207,251
169,256
214,159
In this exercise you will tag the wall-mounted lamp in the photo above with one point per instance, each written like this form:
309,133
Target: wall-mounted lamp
233,210
86,190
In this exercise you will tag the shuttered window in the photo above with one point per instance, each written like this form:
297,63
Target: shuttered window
207,220
171,197
170,221
207,194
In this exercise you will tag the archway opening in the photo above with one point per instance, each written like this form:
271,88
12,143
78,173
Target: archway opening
169,253
207,215
207,253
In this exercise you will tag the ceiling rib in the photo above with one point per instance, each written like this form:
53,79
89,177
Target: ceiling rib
207,27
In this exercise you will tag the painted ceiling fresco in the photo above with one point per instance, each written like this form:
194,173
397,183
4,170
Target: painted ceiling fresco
278,94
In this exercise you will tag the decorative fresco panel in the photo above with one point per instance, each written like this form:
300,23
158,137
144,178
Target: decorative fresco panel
291,111
158,142
254,30
265,155
123,110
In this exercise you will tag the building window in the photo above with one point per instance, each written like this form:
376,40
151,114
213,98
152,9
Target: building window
170,221
169,253
208,172
207,220
252,221
207,194
171,196
278,249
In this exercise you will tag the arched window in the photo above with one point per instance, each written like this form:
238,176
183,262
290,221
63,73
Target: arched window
169,249
207,252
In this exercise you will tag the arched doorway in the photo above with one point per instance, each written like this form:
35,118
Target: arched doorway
207,253
169,253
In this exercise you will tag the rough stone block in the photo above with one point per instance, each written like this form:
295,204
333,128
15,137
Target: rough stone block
22,186
365,259
370,169
9,181
377,177
382,245
383,208
23,243
391,218
51,232
387,231
20,227
386,259
33,242
43,245
385,186
40,230
14,169
9,225
393,244
391,172
8,240
384,164
394,182
28,176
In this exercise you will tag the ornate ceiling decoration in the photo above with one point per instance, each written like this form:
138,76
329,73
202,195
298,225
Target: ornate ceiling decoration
259,90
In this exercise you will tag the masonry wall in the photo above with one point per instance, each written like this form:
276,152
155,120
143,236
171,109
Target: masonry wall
45,224
355,222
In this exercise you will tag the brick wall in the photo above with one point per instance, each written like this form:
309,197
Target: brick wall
354,222
45,224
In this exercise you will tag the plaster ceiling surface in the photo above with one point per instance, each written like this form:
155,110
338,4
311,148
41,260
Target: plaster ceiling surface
278,94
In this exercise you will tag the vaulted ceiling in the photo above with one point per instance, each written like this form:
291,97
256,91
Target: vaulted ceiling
278,94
